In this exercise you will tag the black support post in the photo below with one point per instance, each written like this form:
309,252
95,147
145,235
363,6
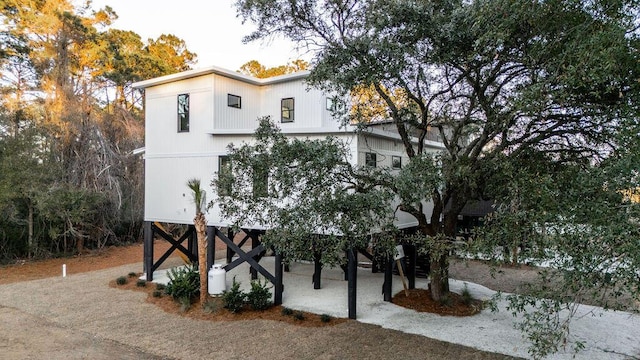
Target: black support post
211,246
254,243
148,250
229,251
352,275
279,287
412,259
317,270
388,279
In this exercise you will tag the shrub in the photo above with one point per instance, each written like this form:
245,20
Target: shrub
234,298
121,280
157,293
160,287
286,311
467,299
184,282
259,297
299,315
325,318
132,274
446,301
211,306
141,283
185,303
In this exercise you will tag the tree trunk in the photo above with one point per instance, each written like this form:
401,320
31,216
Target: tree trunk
201,227
439,276
439,256
30,245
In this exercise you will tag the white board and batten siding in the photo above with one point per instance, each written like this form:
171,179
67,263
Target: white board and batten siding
230,118
173,157
385,148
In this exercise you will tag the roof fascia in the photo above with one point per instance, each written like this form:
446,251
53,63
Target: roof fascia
222,72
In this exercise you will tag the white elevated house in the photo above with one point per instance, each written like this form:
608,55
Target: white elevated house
190,119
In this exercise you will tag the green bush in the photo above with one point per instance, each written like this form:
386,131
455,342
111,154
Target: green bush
157,293
160,287
234,298
299,315
286,311
211,306
467,299
185,304
259,297
184,282
141,283
325,318
446,301
121,280
132,274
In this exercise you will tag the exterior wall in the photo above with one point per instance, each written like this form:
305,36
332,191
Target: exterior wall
309,107
172,157
232,118
385,149
161,118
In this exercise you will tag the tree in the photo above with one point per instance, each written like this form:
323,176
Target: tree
255,69
69,178
200,223
307,193
503,82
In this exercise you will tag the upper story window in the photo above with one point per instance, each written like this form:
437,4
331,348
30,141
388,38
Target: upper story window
370,159
330,104
396,162
287,110
234,101
183,113
224,175
260,180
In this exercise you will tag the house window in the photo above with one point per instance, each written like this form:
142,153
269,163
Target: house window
183,113
370,159
330,104
286,106
234,101
261,180
396,162
224,176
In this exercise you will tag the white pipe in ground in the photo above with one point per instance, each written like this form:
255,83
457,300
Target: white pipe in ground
64,270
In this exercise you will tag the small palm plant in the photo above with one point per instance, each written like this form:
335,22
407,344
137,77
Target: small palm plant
200,223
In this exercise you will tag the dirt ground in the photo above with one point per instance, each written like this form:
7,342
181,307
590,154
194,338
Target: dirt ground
88,319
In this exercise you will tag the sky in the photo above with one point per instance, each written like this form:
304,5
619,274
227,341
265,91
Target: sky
210,28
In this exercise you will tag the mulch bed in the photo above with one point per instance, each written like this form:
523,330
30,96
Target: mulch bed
219,313
420,300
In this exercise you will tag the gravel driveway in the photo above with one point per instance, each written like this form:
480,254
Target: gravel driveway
81,317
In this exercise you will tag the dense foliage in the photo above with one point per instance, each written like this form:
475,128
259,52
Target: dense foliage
69,121
536,104
184,283
307,192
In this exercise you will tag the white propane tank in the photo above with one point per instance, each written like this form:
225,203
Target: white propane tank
217,280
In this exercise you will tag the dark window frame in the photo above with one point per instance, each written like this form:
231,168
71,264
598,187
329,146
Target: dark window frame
370,159
234,105
221,169
183,113
260,186
330,104
393,162
289,111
